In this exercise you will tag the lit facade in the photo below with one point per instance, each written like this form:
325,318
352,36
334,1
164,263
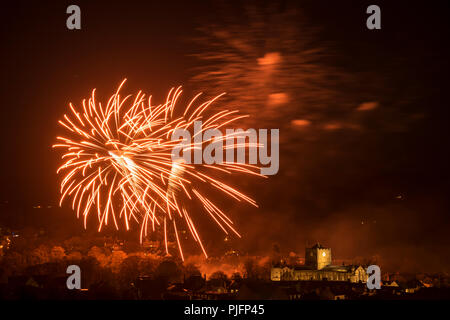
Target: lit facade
318,267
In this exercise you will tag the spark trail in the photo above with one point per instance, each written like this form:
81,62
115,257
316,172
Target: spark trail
118,165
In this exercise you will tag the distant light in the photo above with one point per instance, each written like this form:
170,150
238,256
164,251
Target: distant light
333,126
300,123
366,106
279,98
270,59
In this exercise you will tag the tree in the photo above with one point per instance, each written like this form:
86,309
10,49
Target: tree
90,268
191,269
117,258
131,246
218,275
74,256
276,253
95,251
250,268
15,262
168,269
263,269
292,259
148,265
236,276
57,253
129,269
40,255
76,244
218,279
99,255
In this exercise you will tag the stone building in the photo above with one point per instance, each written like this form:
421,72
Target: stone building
318,267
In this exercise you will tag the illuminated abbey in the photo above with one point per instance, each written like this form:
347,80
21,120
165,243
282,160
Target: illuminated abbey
318,267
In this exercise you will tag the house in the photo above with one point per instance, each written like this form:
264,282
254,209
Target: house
328,293
194,282
392,283
234,286
411,286
176,291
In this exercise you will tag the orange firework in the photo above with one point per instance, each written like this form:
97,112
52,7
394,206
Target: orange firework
119,164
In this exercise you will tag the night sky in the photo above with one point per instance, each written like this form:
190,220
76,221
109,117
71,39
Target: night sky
366,181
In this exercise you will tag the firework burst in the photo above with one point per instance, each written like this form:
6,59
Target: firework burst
118,165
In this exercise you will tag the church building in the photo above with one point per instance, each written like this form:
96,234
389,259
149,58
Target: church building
318,267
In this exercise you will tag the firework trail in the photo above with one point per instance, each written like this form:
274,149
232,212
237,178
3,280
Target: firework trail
118,164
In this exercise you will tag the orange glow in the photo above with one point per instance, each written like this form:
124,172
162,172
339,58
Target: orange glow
118,164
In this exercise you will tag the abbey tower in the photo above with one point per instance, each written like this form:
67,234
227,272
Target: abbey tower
317,257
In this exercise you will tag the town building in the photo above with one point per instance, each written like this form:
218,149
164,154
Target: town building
318,267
